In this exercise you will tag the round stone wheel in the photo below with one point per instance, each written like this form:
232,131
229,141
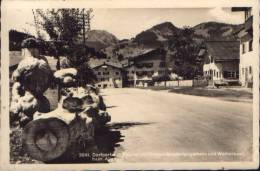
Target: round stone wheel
46,139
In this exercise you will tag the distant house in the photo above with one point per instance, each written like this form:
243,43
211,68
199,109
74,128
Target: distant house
221,61
144,66
109,74
247,59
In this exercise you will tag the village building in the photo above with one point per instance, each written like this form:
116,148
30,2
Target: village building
108,74
221,62
142,68
247,59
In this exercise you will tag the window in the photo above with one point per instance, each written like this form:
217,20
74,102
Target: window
99,73
148,65
99,85
105,73
230,74
243,71
139,65
133,72
162,64
214,73
250,70
250,45
217,74
243,48
117,73
161,72
237,74
102,79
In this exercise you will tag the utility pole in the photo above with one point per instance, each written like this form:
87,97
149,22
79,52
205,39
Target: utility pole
85,18
84,34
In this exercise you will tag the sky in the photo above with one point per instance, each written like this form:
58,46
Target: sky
128,22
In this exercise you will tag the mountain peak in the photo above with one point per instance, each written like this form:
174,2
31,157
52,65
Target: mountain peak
100,39
157,35
166,24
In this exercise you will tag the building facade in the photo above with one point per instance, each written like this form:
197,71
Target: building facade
108,75
221,61
142,68
247,60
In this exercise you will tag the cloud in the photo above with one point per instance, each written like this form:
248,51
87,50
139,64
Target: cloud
226,16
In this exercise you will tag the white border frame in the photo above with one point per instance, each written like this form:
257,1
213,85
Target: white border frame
5,148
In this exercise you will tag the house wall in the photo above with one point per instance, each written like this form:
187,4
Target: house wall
108,77
142,70
246,54
246,64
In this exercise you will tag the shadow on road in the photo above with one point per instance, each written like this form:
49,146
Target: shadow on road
126,125
111,106
100,149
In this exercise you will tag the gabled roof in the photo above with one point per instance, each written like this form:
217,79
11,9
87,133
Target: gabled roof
95,63
223,50
139,52
146,55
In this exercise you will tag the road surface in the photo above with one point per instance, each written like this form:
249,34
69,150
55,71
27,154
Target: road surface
158,126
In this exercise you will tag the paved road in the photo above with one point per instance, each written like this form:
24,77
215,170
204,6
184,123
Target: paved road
162,126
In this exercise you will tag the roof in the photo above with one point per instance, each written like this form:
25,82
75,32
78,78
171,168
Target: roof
94,63
223,50
139,52
146,55
238,9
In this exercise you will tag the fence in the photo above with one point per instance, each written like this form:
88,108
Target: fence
182,83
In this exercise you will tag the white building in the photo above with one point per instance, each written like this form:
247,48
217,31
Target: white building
247,60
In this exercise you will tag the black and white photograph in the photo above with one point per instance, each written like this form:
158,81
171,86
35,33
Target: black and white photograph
111,85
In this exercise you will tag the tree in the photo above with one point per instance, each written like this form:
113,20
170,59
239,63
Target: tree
182,53
65,27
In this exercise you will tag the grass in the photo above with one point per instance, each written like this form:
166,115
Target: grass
213,92
17,153
224,93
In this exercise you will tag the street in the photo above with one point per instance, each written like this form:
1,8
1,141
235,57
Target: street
158,126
